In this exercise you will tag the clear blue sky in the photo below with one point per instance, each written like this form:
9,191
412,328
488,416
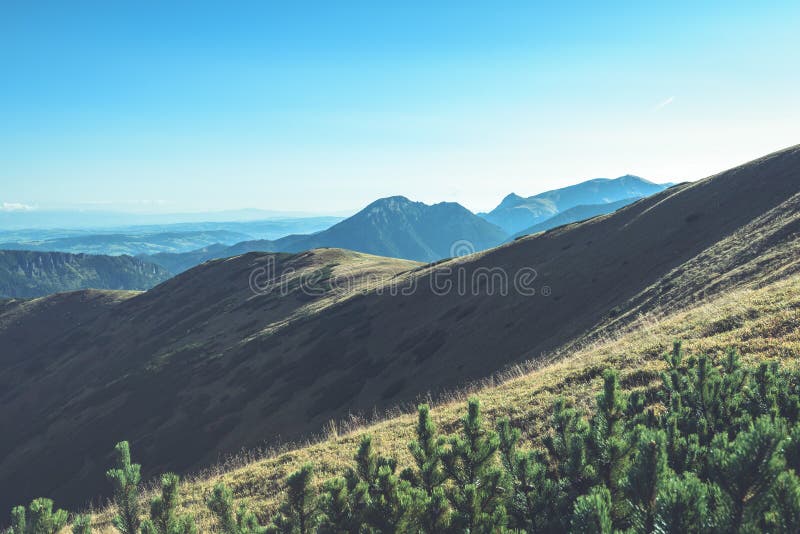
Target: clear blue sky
325,106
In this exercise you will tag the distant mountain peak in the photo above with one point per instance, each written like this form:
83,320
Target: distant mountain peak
515,213
393,198
393,202
511,199
635,178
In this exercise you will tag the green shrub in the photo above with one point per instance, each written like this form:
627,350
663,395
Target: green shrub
125,478
716,450
39,519
164,518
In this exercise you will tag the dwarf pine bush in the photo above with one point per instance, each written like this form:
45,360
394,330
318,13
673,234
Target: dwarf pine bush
231,520
714,448
39,519
164,518
82,524
125,478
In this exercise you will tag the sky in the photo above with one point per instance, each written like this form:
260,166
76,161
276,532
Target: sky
323,107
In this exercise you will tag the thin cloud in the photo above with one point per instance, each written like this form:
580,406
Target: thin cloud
664,103
15,206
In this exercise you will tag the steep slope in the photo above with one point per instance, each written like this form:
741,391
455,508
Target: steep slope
516,213
762,324
169,370
173,335
32,274
395,227
575,214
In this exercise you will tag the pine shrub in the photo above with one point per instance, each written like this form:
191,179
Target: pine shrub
125,478
715,449
164,517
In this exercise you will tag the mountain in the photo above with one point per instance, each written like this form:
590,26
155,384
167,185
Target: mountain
574,214
399,228
25,274
265,348
516,213
393,226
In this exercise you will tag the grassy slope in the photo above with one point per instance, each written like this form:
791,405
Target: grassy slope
172,331
761,323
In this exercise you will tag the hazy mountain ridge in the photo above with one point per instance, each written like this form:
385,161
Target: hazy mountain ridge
515,213
153,239
88,219
25,274
575,214
206,366
118,244
392,226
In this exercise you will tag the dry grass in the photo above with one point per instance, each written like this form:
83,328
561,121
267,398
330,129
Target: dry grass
760,323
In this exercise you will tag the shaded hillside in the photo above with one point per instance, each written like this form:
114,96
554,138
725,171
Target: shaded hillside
515,213
33,274
762,324
395,227
176,335
201,366
575,214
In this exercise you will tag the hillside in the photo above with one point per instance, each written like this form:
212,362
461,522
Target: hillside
761,324
395,227
203,366
25,274
150,344
574,214
515,213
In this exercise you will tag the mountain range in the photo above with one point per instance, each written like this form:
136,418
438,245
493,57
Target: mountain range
269,347
393,226
401,228
26,274
516,213
131,244
151,239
